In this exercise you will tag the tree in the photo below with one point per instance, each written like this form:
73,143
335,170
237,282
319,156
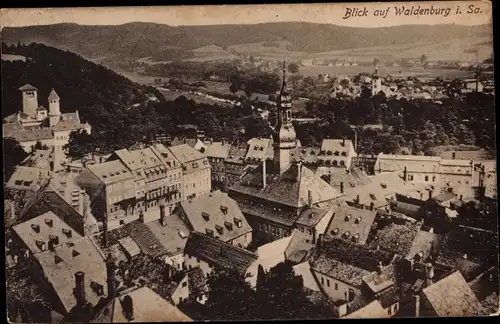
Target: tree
423,58
376,61
229,297
80,144
40,146
13,154
293,68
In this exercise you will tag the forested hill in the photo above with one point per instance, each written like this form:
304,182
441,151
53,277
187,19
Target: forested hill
102,97
134,40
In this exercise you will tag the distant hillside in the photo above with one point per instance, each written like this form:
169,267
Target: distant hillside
101,96
136,40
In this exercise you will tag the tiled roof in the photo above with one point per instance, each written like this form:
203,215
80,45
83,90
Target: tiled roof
423,243
197,281
372,310
258,149
69,121
148,306
300,247
354,221
356,255
219,150
392,183
463,302
218,253
366,195
311,216
336,269
272,214
336,145
53,95
173,236
146,239
445,196
218,212
28,178
413,163
236,154
304,270
469,269
469,155
349,179
185,153
164,153
60,265
111,171
486,284
285,189
28,87
397,238
189,141
37,232
129,246
22,135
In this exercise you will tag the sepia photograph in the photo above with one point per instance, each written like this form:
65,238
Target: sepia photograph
249,162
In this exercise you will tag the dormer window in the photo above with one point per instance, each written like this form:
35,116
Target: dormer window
347,234
195,164
54,239
344,153
182,234
372,196
205,216
334,231
383,185
57,259
229,225
336,153
49,222
355,238
357,220
238,222
209,232
41,245
67,232
347,217
223,209
35,228
219,229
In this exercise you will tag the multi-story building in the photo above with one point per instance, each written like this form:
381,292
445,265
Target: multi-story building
196,171
218,216
234,165
273,201
35,124
217,152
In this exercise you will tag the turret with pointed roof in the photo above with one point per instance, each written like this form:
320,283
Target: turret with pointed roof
284,135
54,110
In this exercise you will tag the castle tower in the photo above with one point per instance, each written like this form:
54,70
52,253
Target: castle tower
376,83
54,111
284,135
30,100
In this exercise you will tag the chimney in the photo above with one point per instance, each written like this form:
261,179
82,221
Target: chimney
319,244
101,159
343,141
141,217
453,155
429,274
372,205
80,288
299,171
430,194
379,267
264,173
405,174
110,270
163,219
309,198
416,299
357,199
341,187
461,197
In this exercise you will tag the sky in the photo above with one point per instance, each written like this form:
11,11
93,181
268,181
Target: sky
332,13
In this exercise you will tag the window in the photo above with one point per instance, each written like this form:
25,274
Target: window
328,282
351,294
410,177
322,280
433,178
395,308
184,284
336,286
426,178
390,310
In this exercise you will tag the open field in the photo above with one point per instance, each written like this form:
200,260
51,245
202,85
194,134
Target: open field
334,71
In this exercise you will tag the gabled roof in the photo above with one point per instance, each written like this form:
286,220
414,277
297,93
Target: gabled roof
28,87
185,153
148,306
300,247
173,236
354,221
372,310
463,302
290,188
397,238
344,272
258,149
60,265
111,171
218,253
304,270
217,212
423,243
311,216
219,150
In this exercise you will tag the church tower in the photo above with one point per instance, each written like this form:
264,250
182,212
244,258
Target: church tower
30,100
284,134
54,111
376,83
